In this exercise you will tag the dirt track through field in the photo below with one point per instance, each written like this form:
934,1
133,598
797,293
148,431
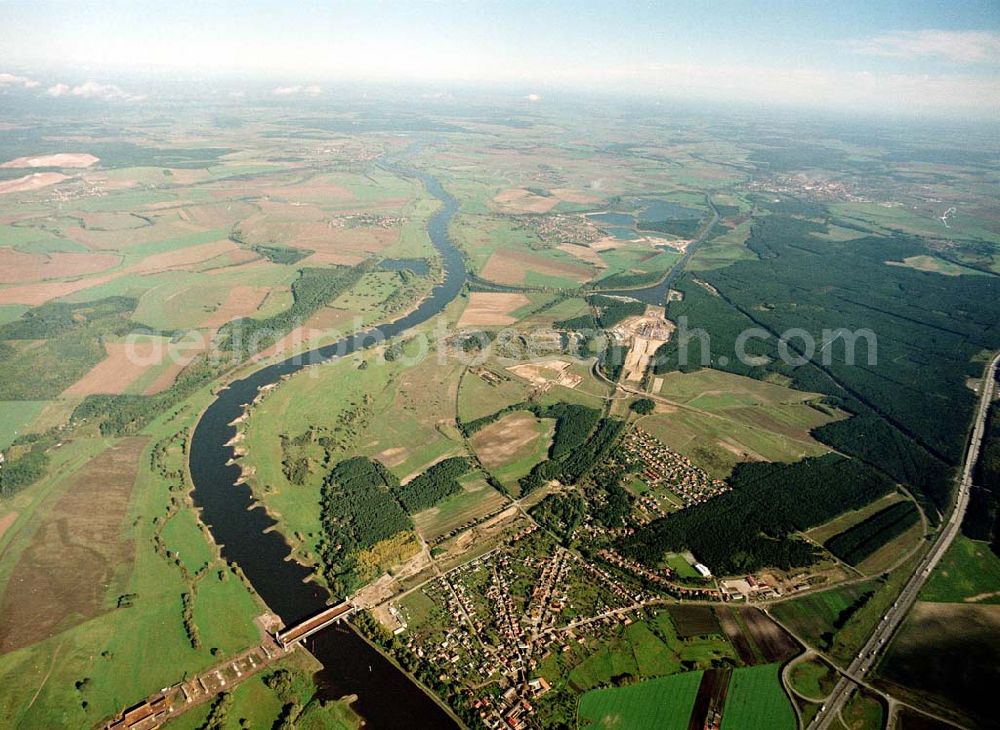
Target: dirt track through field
61,577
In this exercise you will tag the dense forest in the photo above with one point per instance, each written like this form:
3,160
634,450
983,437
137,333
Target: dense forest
574,464
363,503
929,329
878,443
25,463
438,482
858,542
358,509
982,520
752,526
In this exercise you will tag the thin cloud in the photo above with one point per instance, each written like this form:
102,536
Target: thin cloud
92,90
7,79
311,90
964,46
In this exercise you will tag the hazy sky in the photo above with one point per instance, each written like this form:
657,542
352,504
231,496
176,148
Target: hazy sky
924,57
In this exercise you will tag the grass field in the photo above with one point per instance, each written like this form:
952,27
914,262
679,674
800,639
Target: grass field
756,700
814,616
855,608
656,704
968,572
813,678
475,500
510,447
254,704
863,711
15,416
735,419
680,565
722,250
478,398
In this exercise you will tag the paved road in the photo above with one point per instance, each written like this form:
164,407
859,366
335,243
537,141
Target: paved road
868,656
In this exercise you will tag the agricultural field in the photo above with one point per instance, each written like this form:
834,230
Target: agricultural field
476,500
656,704
968,573
510,447
817,617
946,658
102,510
756,699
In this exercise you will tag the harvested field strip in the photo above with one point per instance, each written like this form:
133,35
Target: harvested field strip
773,642
711,699
729,619
756,637
492,308
61,576
125,363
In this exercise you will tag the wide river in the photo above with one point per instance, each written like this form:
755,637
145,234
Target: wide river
386,696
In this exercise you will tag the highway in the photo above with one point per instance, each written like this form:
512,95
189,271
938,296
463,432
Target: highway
867,657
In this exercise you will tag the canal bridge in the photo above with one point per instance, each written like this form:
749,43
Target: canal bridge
317,622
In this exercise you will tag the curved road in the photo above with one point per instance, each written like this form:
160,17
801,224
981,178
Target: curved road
869,654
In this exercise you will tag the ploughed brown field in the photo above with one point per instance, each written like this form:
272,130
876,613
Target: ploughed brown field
18,267
757,639
694,620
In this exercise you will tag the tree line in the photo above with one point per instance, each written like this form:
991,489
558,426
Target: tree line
861,540
438,482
